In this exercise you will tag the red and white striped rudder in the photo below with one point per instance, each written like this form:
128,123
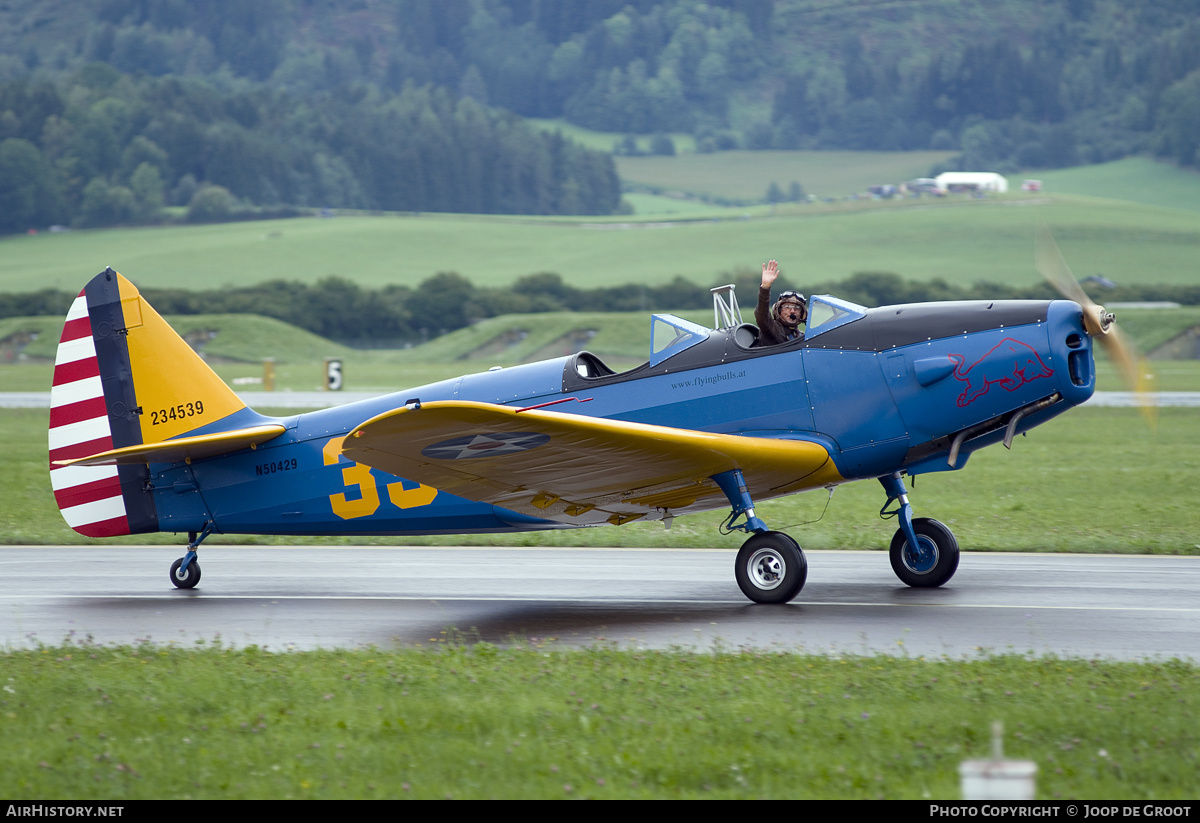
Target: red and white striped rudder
89,497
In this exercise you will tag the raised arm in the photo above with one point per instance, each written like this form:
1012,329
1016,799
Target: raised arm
769,272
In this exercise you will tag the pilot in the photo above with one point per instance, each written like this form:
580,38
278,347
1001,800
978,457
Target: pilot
784,320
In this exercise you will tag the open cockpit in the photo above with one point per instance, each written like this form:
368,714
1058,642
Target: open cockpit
677,344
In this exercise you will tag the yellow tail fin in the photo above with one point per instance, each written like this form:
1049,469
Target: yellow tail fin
176,391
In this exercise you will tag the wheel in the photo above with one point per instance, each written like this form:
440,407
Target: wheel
930,564
770,568
187,580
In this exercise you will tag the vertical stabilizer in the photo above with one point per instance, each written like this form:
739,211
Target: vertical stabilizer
122,377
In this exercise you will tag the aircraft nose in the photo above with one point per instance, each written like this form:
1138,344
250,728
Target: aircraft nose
1072,345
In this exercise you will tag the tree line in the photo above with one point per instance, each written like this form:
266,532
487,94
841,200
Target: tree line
341,310
1013,84
103,149
1094,82
111,110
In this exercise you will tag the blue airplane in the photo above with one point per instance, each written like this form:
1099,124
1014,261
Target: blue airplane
144,437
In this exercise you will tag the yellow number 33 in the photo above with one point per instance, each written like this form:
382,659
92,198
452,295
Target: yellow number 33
368,496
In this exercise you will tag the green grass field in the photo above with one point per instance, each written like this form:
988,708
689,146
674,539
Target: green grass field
116,724
1133,179
962,241
745,175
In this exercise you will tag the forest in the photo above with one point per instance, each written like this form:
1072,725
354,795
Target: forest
114,149
113,111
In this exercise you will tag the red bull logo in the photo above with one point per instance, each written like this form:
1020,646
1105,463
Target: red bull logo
1010,364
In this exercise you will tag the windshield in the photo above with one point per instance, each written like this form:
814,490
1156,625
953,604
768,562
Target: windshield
670,335
825,313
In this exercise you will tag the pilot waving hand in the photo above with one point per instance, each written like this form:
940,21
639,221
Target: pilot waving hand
784,320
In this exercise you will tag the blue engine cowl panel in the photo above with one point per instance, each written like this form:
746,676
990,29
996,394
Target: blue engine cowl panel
851,405
940,370
976,381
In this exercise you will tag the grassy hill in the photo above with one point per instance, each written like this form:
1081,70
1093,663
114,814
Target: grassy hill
237,337
1133,179
747,174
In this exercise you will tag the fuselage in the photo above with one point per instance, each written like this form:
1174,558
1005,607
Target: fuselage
884,390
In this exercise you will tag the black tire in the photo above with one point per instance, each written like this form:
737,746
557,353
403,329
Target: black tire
190,579
770,568
934,563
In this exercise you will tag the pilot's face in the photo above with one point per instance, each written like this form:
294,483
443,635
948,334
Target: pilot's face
791,313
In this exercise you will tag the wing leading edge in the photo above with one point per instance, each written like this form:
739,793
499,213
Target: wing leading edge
577,469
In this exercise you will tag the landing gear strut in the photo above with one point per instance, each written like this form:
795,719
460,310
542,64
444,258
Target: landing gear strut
770,567
924,553
185,572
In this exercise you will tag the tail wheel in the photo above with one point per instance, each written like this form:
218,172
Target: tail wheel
188,579
770,568
932,562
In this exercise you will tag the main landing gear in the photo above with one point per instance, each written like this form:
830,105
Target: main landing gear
185,572
924,553
770,566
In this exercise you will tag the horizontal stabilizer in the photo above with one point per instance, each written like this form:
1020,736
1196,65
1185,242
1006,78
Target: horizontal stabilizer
185,448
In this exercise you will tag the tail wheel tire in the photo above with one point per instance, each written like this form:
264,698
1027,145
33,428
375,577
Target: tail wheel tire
188,579
770,568
932,562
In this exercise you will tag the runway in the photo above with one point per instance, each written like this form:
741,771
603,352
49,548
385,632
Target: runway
281,598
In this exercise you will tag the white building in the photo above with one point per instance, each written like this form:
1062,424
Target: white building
972,181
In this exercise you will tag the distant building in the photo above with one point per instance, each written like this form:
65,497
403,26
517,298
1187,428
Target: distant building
972,181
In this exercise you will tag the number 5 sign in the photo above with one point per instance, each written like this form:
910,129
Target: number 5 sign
333,374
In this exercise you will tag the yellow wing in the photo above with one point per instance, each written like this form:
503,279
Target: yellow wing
577,469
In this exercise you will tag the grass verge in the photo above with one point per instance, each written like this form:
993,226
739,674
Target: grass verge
477,721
